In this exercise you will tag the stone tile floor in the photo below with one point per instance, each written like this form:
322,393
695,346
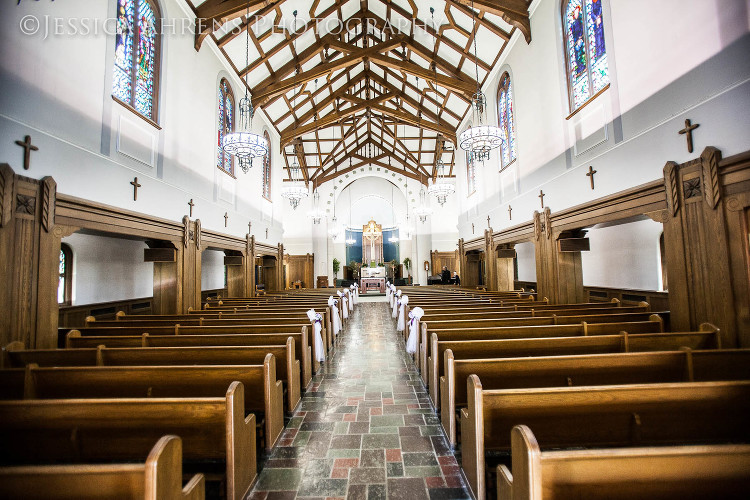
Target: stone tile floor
366,428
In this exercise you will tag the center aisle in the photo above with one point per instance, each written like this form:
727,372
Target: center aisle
366,428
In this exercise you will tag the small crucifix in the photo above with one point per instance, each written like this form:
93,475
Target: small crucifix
472,228
688,131
191,206
266,233
27,149
226,218
590,175
135,188
250,227
541,197
488,221
510,212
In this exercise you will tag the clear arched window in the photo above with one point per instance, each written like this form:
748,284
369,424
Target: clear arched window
585,50
65,281
226,124
137,51
505,111
267,169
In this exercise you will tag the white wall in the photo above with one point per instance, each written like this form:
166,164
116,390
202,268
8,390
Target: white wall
109,269
526,257
59,92
617,251
212,270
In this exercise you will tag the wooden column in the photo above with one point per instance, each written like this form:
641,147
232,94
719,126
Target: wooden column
461,260
706,243
490,263
280,267
177,271
504,258
250,264
241,270
29,266
559,274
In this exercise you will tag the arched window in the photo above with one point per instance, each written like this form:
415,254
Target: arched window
65,281
471,174
267,169
137,50
505,121
585,50
226,124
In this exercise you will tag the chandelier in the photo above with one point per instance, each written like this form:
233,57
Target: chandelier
422,211
243,143
316,214
480,137
295,190
441,188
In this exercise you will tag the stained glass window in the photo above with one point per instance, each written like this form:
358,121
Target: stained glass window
505,112
585,50
267,169
226,125
136,55
64,282
471,174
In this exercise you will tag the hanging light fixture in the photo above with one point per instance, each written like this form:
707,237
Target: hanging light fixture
441,188
243,143
393,238
295,190
316,214
480,137
334,229
422,211
350,240
406,234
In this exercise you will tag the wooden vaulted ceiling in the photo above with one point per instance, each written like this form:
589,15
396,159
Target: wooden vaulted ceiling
368,82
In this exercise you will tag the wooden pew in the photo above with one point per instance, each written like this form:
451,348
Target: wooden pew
670,472
684,365
434,367
263,393
158,478
602,416
74,340
478,329
38,431
287,365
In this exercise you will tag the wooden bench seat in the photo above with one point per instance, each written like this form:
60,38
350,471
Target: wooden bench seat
287,364
75,430
602,416
433,354
303,349
158,478
263,393
684,365
670,472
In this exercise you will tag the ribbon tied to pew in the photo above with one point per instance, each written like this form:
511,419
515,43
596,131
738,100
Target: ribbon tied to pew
402,313
336,320
344,306
414,316
317,320
396,303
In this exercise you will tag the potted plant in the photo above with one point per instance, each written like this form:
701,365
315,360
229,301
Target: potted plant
336,267
407,265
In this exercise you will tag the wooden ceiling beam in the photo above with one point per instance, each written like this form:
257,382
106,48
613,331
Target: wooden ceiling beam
299,151
513,12
212,14
261,95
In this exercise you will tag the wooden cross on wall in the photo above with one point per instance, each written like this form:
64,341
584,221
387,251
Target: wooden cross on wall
250,227
488,221
226,218
688,131
472,228
135,188
541,197
266,233
590,174
27,149
191,206
510,212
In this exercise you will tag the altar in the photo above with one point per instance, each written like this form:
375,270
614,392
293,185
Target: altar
372,279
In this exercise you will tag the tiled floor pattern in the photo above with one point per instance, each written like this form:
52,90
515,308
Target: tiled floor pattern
366,428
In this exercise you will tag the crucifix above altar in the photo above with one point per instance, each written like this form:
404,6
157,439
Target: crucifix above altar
372,242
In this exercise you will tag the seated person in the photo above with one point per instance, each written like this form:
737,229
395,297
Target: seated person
456,280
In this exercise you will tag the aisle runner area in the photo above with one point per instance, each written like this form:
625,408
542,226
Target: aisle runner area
366,429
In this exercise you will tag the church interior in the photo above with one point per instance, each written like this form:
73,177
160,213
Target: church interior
370,249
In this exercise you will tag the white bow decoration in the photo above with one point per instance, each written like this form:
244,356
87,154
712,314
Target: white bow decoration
414,316
402,313
317,320
396,303
336,320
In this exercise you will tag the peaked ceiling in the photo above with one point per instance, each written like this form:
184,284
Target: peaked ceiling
358,82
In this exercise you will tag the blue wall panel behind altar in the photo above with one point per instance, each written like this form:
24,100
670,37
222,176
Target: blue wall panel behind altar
353,252
390,250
